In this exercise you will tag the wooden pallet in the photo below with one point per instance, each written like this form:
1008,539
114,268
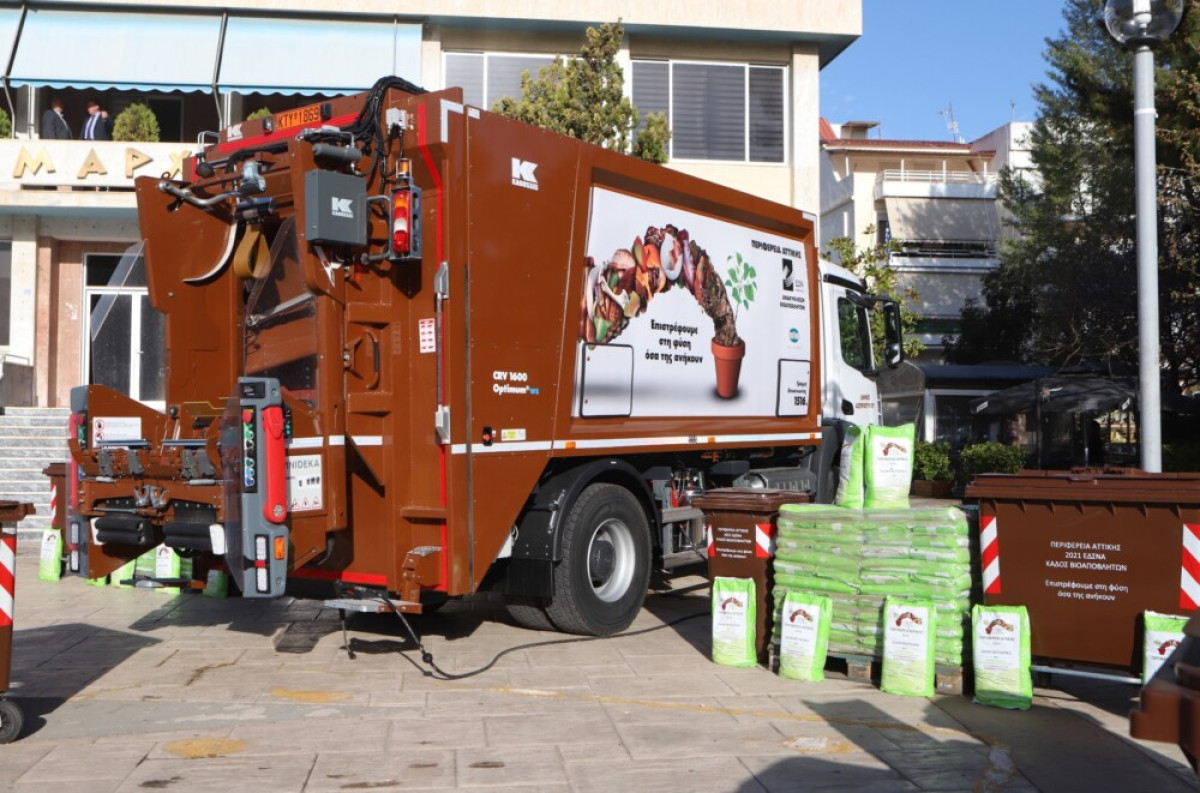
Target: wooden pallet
867,669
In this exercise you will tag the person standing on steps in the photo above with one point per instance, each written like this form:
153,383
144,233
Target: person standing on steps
54,125
98,125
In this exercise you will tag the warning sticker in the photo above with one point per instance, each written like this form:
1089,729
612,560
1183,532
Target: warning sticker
110,429
304,482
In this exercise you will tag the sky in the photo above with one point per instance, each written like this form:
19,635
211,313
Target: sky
917,59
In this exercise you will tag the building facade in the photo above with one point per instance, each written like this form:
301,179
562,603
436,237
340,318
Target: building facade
738,83
937,199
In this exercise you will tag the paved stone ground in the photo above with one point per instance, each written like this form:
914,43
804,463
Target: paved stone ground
134,690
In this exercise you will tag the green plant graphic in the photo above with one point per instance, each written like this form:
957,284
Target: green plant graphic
741,282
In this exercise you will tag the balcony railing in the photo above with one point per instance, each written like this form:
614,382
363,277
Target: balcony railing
935,177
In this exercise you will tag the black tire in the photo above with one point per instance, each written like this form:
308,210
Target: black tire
601,582
531,614
11,721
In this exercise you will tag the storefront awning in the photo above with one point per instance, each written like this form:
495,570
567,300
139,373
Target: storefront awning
942,219
128,51
10,18
305,56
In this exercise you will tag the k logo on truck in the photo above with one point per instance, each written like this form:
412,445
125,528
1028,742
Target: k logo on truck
342,207
523,174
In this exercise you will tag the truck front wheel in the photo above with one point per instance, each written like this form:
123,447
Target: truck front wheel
601,581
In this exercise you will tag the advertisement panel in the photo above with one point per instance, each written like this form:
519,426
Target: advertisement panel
688,315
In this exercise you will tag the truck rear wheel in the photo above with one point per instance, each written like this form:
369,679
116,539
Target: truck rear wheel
11,721
531,614
601,581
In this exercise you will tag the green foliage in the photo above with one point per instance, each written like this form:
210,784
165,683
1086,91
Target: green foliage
1066,289
990,458
262,112
872,265
741,282
931,461
136,123
584,97
651,143
5,124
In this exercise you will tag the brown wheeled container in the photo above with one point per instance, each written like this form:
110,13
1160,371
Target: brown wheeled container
1087,554
10,512
741,523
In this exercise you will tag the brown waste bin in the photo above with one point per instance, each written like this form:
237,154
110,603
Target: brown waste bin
10,512
741,526
1087,553
57,473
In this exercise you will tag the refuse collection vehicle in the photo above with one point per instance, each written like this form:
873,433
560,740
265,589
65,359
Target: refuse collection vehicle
418,350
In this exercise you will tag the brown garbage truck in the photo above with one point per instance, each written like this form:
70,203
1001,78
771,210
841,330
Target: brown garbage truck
419,350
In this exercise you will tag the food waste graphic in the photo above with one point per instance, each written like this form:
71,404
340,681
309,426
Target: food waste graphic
662,259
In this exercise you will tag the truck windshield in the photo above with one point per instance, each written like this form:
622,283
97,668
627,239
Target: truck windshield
854,328
281,321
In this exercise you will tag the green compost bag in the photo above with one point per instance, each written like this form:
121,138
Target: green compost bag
50,555
122,574
216,584
908,647
1163,633
168,564
887,466
804,638
1000,649
850,469
733,619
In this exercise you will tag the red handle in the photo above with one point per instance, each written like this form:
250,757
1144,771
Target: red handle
275,473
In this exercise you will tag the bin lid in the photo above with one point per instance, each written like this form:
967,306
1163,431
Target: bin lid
55,469
11,511
1108,487
748,499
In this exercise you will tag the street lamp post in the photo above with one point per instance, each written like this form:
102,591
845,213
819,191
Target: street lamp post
1140,25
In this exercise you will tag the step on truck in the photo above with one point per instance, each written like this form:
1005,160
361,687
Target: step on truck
418,350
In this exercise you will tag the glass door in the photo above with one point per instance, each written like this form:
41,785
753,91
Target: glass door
124,336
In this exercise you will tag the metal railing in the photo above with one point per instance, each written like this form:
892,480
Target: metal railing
935,177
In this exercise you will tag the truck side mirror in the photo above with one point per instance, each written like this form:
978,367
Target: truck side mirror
893,347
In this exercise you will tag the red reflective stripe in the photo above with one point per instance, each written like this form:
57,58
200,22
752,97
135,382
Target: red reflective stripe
990,554
275,475
8,581
436,177
372,579
72,467
1189,576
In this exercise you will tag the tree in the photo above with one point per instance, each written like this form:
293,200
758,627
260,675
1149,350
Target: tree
1066,289
584,97
5,124
136,123
872,265
262,112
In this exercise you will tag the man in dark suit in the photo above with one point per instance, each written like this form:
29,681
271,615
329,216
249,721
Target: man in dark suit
54,126
98,125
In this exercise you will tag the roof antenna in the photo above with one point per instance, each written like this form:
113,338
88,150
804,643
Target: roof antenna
951,124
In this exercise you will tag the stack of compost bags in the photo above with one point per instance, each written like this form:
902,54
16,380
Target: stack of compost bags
860,557
818,551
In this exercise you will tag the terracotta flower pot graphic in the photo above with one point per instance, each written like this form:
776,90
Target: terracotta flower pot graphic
729,367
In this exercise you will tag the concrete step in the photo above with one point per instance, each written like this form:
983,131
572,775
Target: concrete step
53,431
20,412
30,487
22,467
29,472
